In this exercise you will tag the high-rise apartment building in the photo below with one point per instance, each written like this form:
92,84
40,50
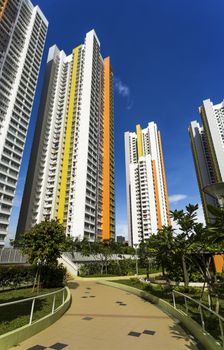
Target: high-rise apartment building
23,30
147,198
207,144
71,169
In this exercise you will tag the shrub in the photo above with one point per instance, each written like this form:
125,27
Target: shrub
115,267
53,276
14,275
90,269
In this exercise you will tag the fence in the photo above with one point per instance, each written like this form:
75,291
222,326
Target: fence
12,256
27,311
210,321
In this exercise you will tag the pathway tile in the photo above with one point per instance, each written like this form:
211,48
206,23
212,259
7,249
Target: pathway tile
138,325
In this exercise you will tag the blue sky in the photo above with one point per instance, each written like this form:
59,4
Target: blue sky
167,57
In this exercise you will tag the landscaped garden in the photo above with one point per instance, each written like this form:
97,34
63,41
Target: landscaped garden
43,245
184,256
17,315
165,292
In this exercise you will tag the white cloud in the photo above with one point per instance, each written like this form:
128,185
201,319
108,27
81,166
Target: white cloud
124,91
121,88
200,215
177,198
17,201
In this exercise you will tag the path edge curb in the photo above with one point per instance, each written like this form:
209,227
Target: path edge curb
204,338
13,338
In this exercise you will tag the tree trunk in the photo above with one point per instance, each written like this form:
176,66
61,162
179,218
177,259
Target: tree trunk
163,270
217,304
35,280
147,271
38,281
119,266
186,277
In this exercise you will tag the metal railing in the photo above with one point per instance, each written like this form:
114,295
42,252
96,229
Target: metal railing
202,314
56,298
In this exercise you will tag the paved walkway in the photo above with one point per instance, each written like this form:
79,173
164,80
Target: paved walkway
106,318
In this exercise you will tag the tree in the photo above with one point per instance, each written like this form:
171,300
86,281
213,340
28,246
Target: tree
216,228
146,252
101,251
163,244
44,245
187,222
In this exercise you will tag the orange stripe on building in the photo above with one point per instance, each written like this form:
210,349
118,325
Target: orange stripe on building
159,219
219,263
3,7
106,153
164,179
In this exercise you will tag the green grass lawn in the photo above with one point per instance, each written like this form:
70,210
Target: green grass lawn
18,315
165,292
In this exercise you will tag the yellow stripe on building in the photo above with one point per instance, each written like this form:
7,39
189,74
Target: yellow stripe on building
139,140
71,106
106,152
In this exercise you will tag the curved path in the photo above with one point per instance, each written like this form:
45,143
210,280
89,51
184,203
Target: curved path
106,318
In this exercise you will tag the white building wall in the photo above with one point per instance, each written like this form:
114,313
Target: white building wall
82,215
141,200
135,207
155,153
46,188
208,149
18,83
215,122
151,194
128,188
77,229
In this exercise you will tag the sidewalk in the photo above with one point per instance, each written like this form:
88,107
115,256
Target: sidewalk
105,318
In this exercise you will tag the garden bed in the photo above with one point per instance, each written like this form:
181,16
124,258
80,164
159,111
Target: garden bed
17,315
165,292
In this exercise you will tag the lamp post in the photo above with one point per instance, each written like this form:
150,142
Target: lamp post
216,191
136,258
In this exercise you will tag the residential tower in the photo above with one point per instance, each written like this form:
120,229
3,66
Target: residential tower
207,143
147,198
71,169
23,29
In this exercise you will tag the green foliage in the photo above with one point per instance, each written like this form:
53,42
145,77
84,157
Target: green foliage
15,316
181,255
216,228
14,276
114,268
195,276
187,255
194,292
53,276
165,292
45,243
102,252
88,248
